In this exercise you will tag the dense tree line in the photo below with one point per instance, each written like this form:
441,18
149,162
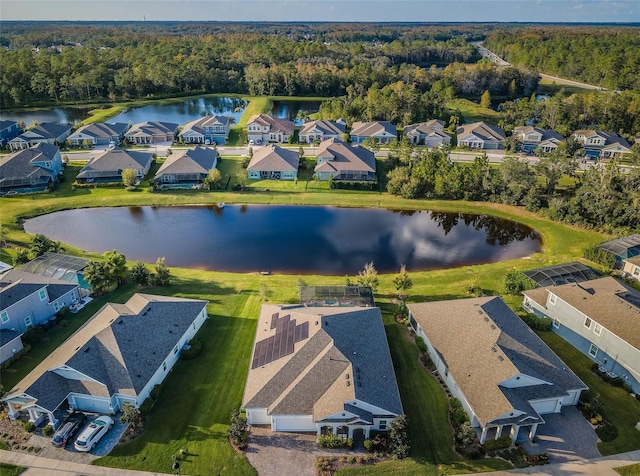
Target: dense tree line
104,62
604,198
606,56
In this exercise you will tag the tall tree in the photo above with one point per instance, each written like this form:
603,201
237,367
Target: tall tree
129,177
403,283
162,274
368,277
485,99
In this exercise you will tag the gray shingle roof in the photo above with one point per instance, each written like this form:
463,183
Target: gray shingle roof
343,157
16,285
199,160
369,129
7,335
484,130
326,127
45,130
152,128
114,161
205,121
275,123
20,164
102,130
274,158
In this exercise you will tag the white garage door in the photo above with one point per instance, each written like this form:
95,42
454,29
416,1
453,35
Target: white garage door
88,404
293,423
545,406
258,416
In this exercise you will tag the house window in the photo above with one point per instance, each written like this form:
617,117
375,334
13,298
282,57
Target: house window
42,294
382,425
552,298
597,329
593,350
28,321
556,323
4,317
636,271
56,306
164,366
587,322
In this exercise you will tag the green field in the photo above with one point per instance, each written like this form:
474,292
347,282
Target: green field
473,112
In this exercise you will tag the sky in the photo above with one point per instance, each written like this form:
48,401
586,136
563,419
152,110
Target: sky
564,11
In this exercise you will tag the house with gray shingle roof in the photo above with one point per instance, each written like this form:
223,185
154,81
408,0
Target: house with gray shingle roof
262,129
28,299
273,162
8,131
480,135
430,133
30,170
47,132
382,131
322,370
110,360
341,161
600,318
321,130
99,134
601,144
187,167
206,130
504,375
108,166
534,138
151,132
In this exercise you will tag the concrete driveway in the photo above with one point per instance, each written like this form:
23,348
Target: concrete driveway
566,437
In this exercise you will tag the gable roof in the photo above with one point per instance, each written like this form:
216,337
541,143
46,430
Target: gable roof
8,335
611,138
484,343
545,134
151,128
274,158
430,127
44,130
205,121
483,130
324,126
344,157
275,123
312,377
7,124
101,130
16,285
606,300
116,160
199,160
23,164
108,349
374,128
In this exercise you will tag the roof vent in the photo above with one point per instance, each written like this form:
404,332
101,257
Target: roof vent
348,383
492,326
119,322
87,349
500,358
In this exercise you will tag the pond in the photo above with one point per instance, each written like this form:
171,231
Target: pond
184,111
59,115
290,239
290,109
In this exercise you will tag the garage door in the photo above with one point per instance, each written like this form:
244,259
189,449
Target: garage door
89,404
293,423
258,416
545,406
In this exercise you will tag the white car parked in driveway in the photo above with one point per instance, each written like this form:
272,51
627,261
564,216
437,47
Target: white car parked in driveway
92,434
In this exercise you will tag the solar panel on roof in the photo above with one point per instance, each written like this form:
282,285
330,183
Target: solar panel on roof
282,343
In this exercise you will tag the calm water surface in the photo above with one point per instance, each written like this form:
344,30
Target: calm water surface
290,109
58,115
184,111
290,239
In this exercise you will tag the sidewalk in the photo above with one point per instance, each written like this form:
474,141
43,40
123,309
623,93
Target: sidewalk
38,466
590,467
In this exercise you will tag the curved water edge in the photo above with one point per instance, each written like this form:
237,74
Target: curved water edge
291,239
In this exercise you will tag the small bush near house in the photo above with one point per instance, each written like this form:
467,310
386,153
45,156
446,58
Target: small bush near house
368,445
502,442
399,443
47,430
29,426
456,413
333,441
155,392
146,405
420,343
195,346
598,255
238,430
607,432
535,322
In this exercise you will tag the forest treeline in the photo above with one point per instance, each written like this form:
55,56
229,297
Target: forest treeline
92,63
607,56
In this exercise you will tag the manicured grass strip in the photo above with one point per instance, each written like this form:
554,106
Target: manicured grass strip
7,469
629,470
472,111
618,406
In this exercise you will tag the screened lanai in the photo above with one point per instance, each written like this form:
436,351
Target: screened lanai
562,274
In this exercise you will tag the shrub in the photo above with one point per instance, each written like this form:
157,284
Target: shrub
420,343
195,346
456,413
399,443
535,322
368,445
500,443
598,255
155,392
29,426
607,432
333,441
47,430
515,282
368,186
146,405
351,459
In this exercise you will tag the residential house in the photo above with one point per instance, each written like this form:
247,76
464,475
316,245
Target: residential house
600,318
99,134
341,161
8,130
504,375
480,135
272,162
262,129
632,267
108,166
112,359
152,132
325,370
30,300
60,266
536,139
622,249
10,344
430,133
318,131
601,144
30,170
187,168
206,130
47,132
382,131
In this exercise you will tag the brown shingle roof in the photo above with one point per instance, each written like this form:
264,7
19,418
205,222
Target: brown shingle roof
344,157
275,123
484,130
274,158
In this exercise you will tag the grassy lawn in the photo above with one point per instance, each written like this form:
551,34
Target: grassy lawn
472,111
618,405
550,87
7,469
629,470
